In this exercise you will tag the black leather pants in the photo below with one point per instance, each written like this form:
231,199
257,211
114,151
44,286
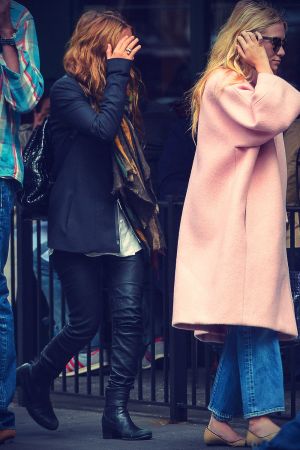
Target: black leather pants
81,280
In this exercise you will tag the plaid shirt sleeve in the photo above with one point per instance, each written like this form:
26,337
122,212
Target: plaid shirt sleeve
23,90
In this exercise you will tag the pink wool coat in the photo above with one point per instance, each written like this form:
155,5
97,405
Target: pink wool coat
231,262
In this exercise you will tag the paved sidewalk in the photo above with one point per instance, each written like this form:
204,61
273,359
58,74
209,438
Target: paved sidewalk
80,430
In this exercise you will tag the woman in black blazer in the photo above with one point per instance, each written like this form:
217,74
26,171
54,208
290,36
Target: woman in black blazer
102,213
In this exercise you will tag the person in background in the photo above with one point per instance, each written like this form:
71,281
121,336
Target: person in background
232,279
102,215
292,146
176,160
21,88
174,168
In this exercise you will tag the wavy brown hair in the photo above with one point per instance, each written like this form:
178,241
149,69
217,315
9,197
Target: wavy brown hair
85,58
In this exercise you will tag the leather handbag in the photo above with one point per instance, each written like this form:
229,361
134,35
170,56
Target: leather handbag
38,162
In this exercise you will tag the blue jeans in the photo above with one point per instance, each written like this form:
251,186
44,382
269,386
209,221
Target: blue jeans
287,439
7,339
249,379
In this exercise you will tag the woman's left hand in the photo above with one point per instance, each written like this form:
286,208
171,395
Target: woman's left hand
251,50
126,48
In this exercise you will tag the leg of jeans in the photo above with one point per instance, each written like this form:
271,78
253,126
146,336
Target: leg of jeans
57,311
7,339
56,306
287,439
125,290
260,371
58,320
226,402
81,282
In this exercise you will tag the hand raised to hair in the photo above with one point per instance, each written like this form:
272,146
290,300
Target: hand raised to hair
251,50
126,48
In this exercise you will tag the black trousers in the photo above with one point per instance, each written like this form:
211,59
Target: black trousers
80,276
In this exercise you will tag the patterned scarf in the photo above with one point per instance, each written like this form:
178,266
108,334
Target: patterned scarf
132,184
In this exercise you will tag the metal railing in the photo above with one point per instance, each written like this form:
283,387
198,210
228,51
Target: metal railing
179,377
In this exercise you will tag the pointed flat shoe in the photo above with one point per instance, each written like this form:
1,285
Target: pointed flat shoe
252,438
211,438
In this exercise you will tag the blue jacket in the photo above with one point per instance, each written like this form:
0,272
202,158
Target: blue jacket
82,211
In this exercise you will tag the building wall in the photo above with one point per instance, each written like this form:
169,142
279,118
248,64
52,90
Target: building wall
54,23
176,35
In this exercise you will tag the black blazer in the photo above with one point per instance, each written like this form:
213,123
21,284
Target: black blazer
82,211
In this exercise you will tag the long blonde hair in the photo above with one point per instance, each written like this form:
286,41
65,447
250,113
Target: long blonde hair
85,58
247,15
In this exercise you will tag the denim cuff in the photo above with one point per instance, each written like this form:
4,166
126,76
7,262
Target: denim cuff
219,416
264,412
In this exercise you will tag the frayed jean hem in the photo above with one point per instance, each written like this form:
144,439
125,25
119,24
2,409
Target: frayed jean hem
264,412
226,418
220,417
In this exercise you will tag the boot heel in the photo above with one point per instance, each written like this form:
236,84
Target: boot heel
107,431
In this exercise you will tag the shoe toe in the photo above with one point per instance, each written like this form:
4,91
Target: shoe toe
44,419
143,434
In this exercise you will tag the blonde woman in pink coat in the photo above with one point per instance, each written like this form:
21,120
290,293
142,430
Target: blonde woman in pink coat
232,280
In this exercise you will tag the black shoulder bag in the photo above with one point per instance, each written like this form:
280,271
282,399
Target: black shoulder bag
38,162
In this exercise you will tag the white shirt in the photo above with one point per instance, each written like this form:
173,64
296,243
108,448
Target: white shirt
129,245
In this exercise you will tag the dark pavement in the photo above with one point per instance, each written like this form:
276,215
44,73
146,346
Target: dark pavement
80,430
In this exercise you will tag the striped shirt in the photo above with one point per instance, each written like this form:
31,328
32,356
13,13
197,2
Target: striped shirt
20,92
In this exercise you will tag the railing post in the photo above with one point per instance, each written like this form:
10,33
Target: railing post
178,341
26,295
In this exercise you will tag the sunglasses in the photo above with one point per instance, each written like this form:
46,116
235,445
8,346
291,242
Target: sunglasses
276,42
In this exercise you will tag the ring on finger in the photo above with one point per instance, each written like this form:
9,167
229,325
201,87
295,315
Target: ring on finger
128,50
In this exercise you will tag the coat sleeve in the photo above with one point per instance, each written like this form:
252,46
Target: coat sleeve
258,114
71,107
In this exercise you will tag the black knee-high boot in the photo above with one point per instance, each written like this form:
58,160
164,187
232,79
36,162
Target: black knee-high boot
127,349
116,421
35,378
36,396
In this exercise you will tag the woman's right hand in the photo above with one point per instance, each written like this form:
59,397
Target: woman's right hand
126,48
251,50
